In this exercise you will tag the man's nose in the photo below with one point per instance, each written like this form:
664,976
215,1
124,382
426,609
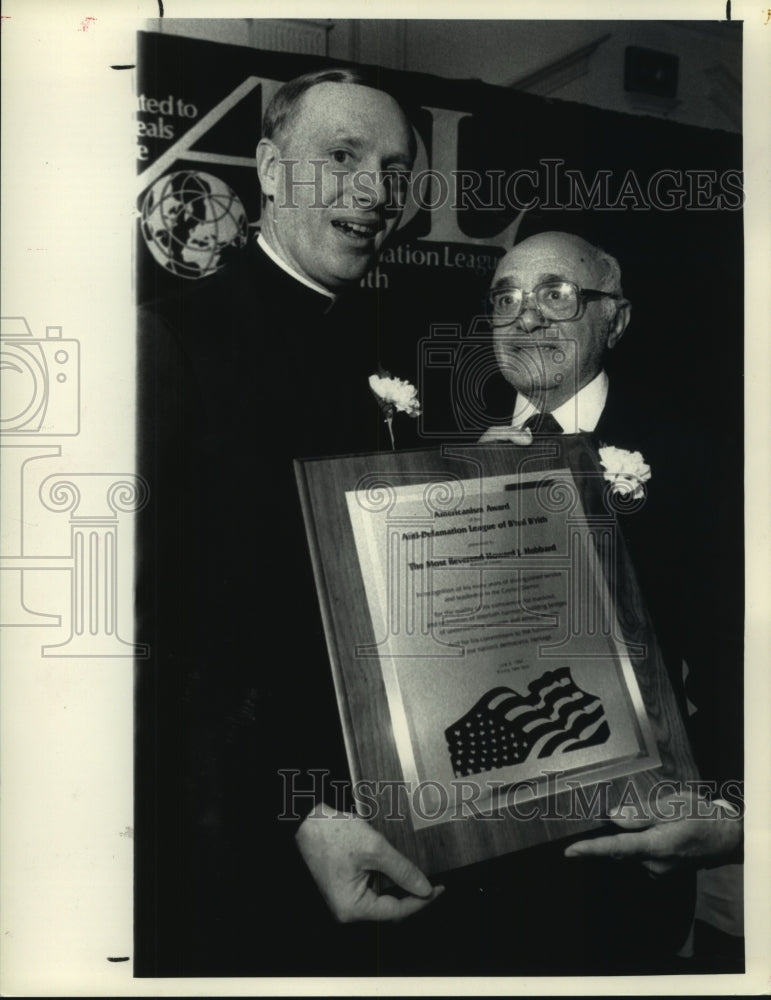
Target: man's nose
371,189
530,319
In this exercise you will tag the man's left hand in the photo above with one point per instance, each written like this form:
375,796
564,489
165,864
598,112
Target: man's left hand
697,835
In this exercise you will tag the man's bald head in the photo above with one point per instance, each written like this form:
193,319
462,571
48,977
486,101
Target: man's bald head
569,247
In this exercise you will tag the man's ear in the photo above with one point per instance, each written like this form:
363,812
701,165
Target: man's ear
620,322
268,166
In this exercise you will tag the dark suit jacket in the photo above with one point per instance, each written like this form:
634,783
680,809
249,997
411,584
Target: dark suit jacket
534,912
687,547
238,375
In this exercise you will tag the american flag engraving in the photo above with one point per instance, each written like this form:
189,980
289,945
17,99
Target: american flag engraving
505,728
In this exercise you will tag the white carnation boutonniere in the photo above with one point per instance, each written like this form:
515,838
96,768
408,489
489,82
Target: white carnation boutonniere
394,395
626,471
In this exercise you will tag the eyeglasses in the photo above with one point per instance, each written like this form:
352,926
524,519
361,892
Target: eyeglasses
555,300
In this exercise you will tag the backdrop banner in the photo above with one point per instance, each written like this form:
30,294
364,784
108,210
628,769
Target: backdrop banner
494,166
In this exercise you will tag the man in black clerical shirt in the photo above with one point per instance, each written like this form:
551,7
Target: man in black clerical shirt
266,361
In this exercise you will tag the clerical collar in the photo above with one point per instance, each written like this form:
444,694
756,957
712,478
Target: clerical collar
579,413
262,242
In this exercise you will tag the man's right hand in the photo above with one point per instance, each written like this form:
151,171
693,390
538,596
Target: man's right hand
342,851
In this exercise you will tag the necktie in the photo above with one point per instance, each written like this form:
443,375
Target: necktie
543,423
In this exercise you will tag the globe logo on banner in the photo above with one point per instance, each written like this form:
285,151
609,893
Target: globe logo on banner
189,219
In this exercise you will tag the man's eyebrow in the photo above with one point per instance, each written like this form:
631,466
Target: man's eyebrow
358,144
504,283
346,139
511,283
395,158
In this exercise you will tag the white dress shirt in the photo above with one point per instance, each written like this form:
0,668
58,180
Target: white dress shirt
579,413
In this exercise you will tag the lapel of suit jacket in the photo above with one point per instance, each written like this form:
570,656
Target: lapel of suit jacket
623,418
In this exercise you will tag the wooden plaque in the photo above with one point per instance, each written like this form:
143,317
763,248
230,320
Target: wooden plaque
498,680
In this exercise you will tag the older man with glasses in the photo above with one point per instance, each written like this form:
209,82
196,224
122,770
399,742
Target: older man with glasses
621,902
556,307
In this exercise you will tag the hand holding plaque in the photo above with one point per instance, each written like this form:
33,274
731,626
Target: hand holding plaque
497,679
